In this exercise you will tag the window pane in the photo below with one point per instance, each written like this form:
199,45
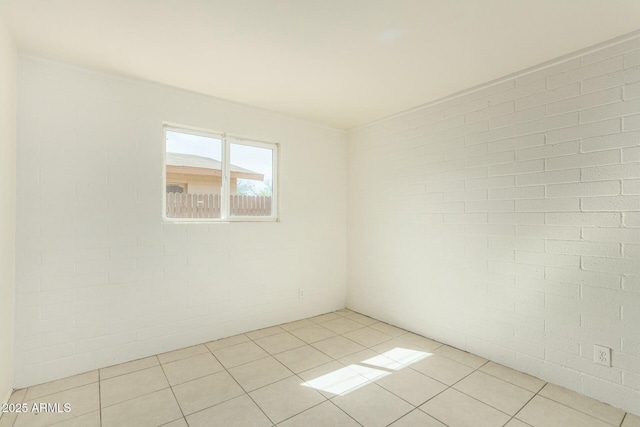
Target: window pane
193,175
251,191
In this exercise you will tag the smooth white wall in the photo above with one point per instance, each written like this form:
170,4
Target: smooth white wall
506,221
7,207
101,280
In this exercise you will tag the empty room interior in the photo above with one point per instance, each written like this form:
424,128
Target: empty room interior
320,213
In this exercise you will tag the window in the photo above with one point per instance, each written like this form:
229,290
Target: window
218,177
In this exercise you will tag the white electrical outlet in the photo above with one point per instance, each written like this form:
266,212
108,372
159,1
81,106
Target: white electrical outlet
602,355
300,293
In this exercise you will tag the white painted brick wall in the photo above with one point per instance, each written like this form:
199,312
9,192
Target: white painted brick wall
631,123
101,280
530,254
8,84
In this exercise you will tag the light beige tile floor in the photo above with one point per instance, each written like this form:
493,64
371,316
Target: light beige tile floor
336,369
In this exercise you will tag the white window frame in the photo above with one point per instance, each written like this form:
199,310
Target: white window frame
225,204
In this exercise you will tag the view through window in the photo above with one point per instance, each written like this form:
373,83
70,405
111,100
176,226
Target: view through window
218,177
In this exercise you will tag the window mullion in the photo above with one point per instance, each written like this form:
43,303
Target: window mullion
226,179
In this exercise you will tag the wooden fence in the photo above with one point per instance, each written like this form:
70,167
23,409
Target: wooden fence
189,205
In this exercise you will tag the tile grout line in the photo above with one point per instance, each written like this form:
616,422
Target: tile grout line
344,412
142,395
371,349
160,363
294,374
252,399
15,420
624,417
405,366
283,351
403,415
578,410
272,355
64,391
100,396
61,391
374,382
508,382
500,379
172,392
311,343
451,387
131,361
523,406
567,406
246,393
472,397
304,410
368,348
422,412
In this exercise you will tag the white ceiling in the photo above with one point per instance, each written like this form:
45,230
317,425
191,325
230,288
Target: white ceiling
342,63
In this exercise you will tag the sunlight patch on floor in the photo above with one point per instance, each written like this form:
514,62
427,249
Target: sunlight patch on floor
397,358
345,380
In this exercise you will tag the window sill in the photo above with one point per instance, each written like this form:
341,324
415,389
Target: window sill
217,220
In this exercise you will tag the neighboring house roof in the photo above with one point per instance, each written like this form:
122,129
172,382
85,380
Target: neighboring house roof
197,165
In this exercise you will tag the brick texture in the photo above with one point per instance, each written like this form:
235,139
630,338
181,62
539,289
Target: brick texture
102,280
549,217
